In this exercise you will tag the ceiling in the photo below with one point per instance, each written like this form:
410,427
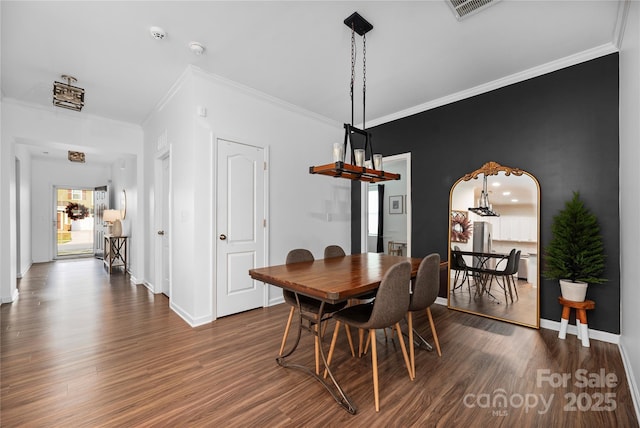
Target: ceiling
297,51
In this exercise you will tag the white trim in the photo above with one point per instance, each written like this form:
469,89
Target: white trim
621,22
593,334
261,96
193,322
631,379
13,298
540,70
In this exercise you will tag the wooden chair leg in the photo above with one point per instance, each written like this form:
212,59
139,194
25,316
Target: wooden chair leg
366,345
360,340
333,346
317,348
374,368
404,351
286,329
412,352
346,328
433,332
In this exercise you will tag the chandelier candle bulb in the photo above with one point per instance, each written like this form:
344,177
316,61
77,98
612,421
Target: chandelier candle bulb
359,157
377,162
338,152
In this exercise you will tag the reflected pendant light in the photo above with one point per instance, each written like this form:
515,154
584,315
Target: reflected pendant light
357,170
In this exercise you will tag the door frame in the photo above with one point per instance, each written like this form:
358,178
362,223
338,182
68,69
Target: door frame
215,141
364,197
158,220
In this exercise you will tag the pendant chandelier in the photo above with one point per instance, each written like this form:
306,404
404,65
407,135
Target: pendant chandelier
357,170
67,96
484,208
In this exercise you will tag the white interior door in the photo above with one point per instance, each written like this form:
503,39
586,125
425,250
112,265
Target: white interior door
240,226
164,231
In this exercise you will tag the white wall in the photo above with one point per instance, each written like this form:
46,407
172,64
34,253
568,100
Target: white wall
630,198
304,210
124,175
55,128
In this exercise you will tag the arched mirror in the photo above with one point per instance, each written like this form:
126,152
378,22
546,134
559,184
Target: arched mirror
494,249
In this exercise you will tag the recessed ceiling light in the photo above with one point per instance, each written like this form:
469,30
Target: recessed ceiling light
514,200
496,184
196,48
157,33
507,193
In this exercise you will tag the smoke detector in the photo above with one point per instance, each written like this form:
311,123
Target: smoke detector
157,33
196,48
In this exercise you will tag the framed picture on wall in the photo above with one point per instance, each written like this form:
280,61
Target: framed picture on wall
395,204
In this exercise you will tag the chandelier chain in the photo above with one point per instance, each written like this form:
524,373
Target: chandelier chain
353,66
364,78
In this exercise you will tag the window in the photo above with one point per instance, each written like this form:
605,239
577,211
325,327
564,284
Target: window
373,210
76,195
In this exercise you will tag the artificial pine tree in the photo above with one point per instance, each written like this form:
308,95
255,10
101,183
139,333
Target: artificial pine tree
576,251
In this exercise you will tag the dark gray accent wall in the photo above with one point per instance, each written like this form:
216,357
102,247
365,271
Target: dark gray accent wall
562,127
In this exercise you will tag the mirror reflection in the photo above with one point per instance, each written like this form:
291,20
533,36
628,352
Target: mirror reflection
493,241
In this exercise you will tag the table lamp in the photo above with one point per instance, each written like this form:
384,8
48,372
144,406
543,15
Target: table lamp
113,218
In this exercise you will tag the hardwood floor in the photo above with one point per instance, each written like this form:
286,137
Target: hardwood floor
83,349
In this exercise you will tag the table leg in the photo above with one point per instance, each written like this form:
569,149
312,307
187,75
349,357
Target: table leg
336,391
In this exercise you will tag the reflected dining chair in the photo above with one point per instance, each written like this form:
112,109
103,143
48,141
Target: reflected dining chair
506,274
307,304
425,292
388,309
462,270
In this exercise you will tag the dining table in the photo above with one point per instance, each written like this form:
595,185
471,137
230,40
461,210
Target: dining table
331,280
481,268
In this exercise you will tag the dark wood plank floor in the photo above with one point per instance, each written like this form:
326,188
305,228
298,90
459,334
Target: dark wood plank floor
82,349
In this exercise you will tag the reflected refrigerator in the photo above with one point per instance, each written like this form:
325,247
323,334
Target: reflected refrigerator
481,240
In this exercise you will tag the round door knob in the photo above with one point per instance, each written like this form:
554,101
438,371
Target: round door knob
161,232
223,237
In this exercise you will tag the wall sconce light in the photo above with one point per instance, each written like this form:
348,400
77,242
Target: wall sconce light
67,96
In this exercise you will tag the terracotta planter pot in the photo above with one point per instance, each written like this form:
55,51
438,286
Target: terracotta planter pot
574,291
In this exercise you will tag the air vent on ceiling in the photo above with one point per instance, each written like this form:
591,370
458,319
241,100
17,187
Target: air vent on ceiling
465,8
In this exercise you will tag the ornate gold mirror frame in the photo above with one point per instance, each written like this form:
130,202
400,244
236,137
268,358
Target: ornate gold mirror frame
494,210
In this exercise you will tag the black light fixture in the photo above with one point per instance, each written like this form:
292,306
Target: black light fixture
484,208
357,170
67,96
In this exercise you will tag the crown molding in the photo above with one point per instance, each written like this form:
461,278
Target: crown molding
540,70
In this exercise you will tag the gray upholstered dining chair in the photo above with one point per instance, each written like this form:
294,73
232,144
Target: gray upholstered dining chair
307,304
388,309
333,251
425,292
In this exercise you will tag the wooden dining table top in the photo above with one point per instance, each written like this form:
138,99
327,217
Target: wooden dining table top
334,279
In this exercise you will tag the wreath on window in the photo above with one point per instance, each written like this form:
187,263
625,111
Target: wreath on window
76,211
460,227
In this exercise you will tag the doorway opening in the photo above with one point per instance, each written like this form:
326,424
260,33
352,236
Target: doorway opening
75,223
386,212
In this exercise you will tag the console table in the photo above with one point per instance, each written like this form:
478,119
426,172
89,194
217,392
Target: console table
115,252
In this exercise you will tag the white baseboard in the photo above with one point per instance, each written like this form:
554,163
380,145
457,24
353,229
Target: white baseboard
193,322
13,298
631,379
571,329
